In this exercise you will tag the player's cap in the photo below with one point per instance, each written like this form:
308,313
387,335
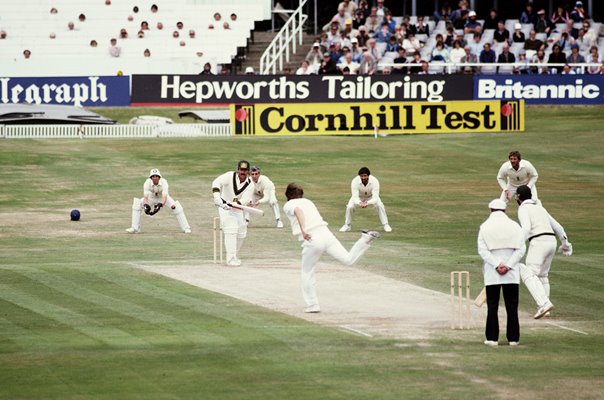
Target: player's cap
540,12
579,4
154,172
316,44
255,168
326,54
354,40
249,70
472,13
497,204
348,22
524,192
243,165
75,215
574,46
517,26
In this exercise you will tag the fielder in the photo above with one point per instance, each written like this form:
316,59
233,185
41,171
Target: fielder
311,229
540,228
237,188
264,192
365,189
501,246
514,173
155,193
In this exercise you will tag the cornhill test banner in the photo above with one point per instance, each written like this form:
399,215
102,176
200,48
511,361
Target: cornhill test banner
370,118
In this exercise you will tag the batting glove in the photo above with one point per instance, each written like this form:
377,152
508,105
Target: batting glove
218,200
147,208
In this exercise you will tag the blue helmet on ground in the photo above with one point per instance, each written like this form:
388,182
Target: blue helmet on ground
75,215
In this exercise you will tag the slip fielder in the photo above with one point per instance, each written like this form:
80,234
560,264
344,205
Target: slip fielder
155,197
264,193
233,187
365,189
514,173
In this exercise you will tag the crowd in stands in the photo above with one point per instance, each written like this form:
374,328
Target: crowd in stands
367,39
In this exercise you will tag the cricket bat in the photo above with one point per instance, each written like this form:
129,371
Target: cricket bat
251,210
481,298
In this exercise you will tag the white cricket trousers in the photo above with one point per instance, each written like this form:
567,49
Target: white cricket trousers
323,240
379,208
234,227
535,272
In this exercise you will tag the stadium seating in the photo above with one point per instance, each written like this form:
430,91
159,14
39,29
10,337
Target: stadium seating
70,53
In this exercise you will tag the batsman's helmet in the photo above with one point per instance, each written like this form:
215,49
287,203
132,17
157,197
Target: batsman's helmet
75,215
153,172
524,192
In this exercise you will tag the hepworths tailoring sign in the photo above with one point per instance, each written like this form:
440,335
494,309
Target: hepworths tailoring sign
541,89
255,89
366,118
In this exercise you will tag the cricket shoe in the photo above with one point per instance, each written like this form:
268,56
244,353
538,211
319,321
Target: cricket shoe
544,310
387,228
313,309
133,230
186,230
491,343
279,224
234,262
371,234
514,343
345,228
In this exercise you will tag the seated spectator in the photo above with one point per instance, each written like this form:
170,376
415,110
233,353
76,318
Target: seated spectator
339,18
82,18
144,26
363,37
392,45
355,50
421,28
140,34
557,56
383,35
567,70
305,69
191,33
368,65
381,10
70,26
147,53
532,43
518,35
175,34
501,34
563,40
350,6
460,22
476,45
207,69
401,59
506,56
26,54
522,64
539,58
358,20
160,26
334,32
233,17
3,34
457,53
315,55
225,70
575,57
372,49
386,70
389,21
123,33
492,20
487,55
449,36
225,25
444,13
217,17
411,44
440,53
154,8
180,25
542,25
590,34
415,64
528,16
373,22
364,7
93,43
114,49
347,62
560,16
594,59
593,51
578,13
53,10
469,58
328,65
462,7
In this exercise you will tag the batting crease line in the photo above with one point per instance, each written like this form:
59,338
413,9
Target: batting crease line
567,328
348,328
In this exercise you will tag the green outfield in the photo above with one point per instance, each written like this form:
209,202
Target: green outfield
79,320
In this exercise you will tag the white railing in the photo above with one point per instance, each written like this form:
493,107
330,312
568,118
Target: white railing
113,131
290,35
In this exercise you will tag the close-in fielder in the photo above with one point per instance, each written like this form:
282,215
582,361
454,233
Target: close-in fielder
311,229
233,187
365,189
501,246
540,229
155,197
514,173
264,192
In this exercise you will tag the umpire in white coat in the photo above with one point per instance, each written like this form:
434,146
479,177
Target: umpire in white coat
501,246
540,229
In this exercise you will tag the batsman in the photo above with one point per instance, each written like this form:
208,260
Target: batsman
155,197
230,190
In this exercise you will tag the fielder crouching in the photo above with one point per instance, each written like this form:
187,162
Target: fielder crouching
155,197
